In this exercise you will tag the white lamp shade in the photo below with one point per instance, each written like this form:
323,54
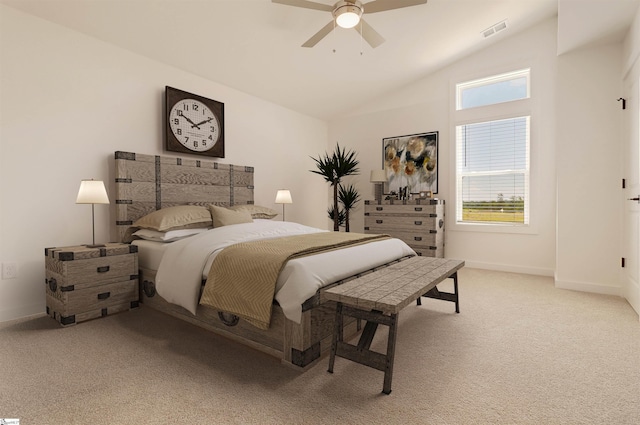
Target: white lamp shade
283,197
92,192
378,176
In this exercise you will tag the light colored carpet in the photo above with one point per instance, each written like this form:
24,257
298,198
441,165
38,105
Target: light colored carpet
520,352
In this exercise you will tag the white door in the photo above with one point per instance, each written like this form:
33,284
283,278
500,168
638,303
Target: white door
631,193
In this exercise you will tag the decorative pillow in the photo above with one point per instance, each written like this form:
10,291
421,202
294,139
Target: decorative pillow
173,218
256,211
224,216
170,236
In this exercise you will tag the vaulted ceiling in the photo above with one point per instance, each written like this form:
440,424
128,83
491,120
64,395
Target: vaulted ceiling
255,45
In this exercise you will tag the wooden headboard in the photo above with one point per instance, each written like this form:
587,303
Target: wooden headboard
145,183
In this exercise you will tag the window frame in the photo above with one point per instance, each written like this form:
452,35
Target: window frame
494,112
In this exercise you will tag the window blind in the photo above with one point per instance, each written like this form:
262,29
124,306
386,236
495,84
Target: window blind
492,171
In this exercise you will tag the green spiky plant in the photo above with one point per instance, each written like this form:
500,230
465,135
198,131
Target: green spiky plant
341,215
333,168
348,196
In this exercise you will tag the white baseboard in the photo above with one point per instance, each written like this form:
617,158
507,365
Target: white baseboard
561,284
589,287
22,312
509,268
632,294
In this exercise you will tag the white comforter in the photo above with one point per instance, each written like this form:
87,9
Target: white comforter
179,276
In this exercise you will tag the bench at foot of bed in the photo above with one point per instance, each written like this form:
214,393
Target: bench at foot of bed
378,298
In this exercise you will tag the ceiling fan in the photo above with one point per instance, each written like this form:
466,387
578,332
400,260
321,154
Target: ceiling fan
348,14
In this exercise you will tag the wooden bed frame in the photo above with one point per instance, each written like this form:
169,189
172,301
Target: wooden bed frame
145,183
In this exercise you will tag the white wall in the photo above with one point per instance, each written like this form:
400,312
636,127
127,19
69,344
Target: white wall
67,102
425,106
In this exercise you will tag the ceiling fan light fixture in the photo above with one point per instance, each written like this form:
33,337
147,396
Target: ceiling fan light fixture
347,14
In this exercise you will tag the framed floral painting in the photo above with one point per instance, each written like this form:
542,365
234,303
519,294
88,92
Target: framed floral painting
411,162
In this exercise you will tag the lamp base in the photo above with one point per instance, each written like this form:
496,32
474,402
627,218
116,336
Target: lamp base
379,191
95,245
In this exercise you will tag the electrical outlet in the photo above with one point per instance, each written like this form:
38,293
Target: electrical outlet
9,270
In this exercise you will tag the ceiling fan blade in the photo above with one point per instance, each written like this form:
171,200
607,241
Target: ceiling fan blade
306,4
382,5
370,35
319,35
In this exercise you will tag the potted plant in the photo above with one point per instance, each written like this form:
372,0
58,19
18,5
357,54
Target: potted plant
348,196
333,168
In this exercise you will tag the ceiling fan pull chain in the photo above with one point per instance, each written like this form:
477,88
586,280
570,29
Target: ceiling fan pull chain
333,36
361,29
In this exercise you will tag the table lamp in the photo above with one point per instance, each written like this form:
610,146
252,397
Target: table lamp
92,192
379,177
283,197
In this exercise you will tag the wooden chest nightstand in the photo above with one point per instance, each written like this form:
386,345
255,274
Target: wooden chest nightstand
83,283
419,223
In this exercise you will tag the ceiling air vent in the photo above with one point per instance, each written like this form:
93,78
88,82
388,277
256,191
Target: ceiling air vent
494,29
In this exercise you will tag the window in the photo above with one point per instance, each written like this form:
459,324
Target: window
492,90
492,155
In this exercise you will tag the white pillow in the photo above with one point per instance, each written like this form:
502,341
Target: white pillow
170,236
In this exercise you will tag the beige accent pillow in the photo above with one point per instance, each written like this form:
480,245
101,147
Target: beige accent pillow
224,216
256,211
178,217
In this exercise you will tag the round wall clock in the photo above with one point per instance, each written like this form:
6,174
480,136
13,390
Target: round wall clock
194,124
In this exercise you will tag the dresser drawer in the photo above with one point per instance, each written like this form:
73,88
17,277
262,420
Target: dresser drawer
81,266
95,297
89,272
422,239
429,251
400,209
384,224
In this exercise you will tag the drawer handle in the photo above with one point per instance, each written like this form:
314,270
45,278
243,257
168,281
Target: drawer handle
53,284
418,223
417,238
103,269
433,215
104,295
379,208
418,208
378,221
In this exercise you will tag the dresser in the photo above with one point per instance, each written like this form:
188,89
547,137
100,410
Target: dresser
419,223
84,282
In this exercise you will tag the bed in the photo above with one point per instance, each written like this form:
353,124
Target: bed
172,273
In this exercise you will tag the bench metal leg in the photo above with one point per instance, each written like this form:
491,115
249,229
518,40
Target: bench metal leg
391,354
445,296
337,336
361,353
455,291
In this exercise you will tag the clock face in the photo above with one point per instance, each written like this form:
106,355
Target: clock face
194,125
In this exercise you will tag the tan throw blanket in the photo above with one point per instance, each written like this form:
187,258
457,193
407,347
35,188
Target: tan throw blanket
242,279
